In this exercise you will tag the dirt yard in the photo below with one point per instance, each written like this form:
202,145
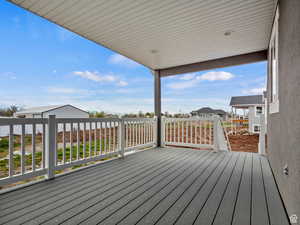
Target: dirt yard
244,143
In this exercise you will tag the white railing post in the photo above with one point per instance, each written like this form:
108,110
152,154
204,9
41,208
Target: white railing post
50,147
155,131
262,136
215,132
163,123
122,137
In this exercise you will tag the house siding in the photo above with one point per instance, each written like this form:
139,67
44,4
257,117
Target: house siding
284,126
253,118
66,112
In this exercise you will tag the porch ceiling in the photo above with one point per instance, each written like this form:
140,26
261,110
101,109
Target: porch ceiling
162,34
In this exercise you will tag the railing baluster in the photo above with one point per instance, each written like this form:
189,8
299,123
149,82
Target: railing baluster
196,132
100,137
90,139
126,135
33,147
109,134
56,144
11,150
64,143
23,160
78,141
113,136
200,131
71,142
95,139
84,140
43,145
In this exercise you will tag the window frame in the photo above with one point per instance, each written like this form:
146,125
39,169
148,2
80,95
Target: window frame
273,67
262,111
258,125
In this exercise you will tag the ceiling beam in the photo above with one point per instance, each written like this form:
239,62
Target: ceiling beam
216,63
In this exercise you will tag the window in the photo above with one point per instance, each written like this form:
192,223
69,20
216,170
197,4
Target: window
273,67
256,128
258,110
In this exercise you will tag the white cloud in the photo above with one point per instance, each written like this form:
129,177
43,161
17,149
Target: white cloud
191,80
214,75
183,84
254,91
60,90
122,83
122,60
188,76
97,77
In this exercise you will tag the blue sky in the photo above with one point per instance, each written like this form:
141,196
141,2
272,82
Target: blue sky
44,64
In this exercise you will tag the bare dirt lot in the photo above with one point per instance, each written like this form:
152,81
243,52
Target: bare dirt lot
244,143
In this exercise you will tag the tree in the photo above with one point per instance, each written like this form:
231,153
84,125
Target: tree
9,111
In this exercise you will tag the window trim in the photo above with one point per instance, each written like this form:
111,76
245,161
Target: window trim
256,132
273,46
262,111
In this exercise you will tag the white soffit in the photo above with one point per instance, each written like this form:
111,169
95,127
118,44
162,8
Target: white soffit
161,34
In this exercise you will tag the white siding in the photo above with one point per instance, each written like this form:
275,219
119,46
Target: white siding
67,112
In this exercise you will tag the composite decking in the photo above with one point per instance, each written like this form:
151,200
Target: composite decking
158,186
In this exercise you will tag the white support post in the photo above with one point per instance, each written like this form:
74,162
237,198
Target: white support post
163,128
157,106
215,132
122,137
262,136
50,147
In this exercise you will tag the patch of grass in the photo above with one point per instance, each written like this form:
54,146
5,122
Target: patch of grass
38,157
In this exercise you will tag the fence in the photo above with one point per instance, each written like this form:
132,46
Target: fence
45,146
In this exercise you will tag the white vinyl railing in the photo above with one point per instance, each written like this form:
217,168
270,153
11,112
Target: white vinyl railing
192,132
18,163
40,147
139,133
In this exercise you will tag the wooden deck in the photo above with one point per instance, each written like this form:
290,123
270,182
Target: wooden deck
159,186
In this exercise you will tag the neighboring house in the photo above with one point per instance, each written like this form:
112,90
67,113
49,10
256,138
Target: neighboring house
207,111
254,104
60,111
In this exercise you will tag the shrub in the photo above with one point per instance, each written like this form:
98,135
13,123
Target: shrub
4,143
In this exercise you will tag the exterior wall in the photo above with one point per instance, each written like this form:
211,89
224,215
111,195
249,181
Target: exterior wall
67,112
284,126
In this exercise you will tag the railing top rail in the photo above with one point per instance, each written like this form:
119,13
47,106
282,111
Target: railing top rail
86,120
188,119
139,119
20,121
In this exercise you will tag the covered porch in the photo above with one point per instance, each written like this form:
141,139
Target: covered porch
161,185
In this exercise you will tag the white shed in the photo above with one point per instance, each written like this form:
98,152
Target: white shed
60,111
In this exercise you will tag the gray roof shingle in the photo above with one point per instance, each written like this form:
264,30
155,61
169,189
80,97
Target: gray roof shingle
246,100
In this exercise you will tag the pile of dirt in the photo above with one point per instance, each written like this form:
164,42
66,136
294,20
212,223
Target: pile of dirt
244,143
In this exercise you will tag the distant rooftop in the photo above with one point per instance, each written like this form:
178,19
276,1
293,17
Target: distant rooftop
42,109
246,100
38,110
207,110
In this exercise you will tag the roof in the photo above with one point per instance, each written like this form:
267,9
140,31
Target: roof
206,110
246,100
42,109
164,34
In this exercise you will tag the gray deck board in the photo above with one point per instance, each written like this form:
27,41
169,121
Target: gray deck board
242,213
275,207
259,205
227,204
159,186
